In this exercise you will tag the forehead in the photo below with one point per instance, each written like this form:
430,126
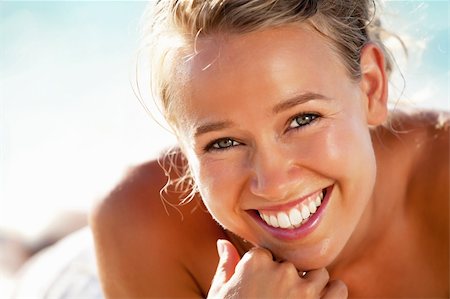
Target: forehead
222,51
269,64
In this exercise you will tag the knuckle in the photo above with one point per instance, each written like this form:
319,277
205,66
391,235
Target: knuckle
307,290
318,275
256,258
260,254
340,289
324,274
288,269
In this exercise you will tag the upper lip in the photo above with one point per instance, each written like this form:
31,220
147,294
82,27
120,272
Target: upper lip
289,204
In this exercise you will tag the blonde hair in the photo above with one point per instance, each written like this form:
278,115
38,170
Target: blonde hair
173,25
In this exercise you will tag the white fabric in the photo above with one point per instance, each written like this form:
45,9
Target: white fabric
65,270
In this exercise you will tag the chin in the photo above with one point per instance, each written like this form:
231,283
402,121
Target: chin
320,256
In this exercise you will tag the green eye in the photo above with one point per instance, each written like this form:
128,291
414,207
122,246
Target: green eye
302,120
224,143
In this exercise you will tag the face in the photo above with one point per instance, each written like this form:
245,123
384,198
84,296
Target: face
277,139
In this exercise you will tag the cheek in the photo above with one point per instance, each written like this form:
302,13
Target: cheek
341,151
351,147
349,144
217,182
351,160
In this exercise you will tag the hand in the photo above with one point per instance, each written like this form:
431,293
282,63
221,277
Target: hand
257,275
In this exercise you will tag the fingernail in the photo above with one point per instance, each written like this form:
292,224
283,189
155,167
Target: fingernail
221,247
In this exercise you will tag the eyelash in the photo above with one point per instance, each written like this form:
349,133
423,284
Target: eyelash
311,116
214,145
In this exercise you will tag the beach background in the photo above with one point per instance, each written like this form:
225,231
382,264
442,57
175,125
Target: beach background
70,124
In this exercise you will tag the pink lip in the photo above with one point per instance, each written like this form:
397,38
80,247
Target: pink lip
300,232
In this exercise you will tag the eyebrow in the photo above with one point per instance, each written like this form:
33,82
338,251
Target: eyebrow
212,126
297,100
280,107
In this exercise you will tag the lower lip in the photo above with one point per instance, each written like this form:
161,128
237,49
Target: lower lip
301,231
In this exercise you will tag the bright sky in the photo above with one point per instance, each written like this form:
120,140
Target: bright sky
70,124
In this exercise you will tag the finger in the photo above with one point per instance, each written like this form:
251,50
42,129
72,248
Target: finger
336,289
318,278
258,253
229,257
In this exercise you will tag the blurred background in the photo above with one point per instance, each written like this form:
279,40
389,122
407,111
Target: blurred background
70,125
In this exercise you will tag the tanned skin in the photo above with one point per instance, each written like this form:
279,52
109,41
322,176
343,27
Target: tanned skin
146,248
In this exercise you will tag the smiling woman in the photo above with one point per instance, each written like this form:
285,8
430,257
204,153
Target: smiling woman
304,180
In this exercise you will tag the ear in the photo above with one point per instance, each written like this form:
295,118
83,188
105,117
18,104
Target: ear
374,84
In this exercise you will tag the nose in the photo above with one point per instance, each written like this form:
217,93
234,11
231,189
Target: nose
274,174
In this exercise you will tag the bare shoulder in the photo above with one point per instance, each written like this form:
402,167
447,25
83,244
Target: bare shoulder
420,141
426,135
148,249
429,137
423,127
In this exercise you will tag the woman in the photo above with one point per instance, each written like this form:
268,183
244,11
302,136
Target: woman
312,188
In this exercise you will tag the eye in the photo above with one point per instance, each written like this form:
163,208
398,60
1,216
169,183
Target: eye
302,120
222,144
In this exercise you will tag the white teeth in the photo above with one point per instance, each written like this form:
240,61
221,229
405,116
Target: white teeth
283,220
274,221
305,212
266,218
318,200
295,217
312,207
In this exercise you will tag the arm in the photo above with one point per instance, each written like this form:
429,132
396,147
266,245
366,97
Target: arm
138,246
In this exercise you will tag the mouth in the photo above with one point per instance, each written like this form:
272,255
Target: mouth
294,220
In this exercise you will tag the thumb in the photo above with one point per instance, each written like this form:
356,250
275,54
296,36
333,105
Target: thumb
229,258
